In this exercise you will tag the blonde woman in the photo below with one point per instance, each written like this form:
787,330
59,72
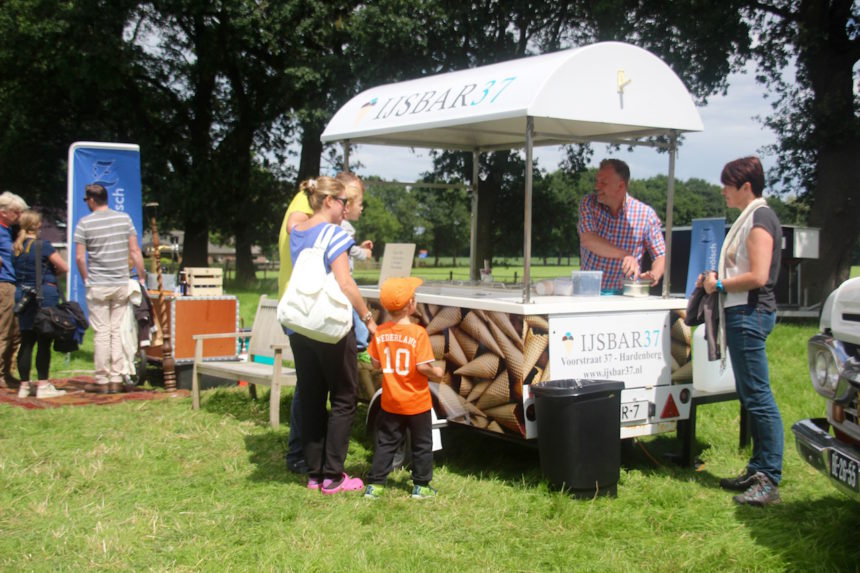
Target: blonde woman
327,372
25,264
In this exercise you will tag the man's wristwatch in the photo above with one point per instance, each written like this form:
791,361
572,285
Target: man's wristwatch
367,317
720,286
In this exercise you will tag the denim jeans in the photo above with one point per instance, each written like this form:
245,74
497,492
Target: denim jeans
747,329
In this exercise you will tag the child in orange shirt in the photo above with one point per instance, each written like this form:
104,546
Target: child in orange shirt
403,351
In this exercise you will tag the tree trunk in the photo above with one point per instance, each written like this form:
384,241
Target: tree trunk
309,163
828,56
195,246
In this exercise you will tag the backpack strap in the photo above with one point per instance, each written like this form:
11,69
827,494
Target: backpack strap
38,271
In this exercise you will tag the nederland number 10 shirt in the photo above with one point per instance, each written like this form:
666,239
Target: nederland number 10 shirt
400,348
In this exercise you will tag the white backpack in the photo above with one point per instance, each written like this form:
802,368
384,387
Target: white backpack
314,305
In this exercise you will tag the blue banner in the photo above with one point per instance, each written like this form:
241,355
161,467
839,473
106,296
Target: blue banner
116,166
706,240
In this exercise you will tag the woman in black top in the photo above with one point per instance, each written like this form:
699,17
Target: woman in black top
747,274
25,262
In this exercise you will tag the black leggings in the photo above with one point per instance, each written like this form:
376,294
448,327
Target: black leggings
25,355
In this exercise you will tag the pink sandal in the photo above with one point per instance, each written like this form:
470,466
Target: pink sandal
314,483
346,484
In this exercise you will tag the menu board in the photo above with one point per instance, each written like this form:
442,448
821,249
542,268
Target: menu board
396,261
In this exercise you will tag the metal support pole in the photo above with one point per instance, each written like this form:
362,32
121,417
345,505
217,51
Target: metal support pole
670,207
527,223
346,155
473,237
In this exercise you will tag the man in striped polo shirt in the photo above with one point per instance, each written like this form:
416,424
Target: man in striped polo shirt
104,241
615,229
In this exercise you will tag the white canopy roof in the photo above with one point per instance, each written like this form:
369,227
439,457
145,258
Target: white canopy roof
602,92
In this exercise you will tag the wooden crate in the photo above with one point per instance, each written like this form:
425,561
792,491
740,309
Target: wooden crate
204,281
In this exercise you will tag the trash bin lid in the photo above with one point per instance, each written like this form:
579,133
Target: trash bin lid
576,387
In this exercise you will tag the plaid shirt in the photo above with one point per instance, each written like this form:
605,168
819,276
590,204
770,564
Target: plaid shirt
636,226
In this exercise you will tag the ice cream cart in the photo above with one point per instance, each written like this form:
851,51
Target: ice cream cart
494,341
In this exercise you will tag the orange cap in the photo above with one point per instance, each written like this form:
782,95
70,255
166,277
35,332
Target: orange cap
395,293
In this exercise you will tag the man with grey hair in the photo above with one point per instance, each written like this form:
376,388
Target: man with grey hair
104,241
11,206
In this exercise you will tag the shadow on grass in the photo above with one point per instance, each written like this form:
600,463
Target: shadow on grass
471,452
814,535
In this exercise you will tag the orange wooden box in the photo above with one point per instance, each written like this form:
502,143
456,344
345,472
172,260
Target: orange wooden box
188,316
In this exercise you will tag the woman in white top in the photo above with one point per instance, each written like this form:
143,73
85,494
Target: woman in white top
748,270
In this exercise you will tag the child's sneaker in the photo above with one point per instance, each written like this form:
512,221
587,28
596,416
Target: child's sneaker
374,491
423,492
24,390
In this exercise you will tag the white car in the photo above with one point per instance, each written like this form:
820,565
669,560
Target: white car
834,367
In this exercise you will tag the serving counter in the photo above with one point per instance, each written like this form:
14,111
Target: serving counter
492,346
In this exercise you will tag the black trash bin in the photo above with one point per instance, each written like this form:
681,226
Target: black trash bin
579,434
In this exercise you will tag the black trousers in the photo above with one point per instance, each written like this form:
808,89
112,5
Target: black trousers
326,372
29,338
389,433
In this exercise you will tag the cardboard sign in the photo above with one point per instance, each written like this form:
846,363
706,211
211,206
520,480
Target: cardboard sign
396,261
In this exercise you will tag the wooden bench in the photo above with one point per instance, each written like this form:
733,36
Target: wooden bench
268,347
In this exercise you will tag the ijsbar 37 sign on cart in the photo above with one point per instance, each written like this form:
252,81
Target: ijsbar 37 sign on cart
631,347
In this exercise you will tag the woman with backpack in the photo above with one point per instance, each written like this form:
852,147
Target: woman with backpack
327,371
25,250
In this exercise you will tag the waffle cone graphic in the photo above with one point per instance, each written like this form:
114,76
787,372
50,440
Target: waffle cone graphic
465,386
683,373
681,332
680,352
477,390
538,322
495,427
501,320
472,410
478,330
682,313
437,341
426,315
507,416
513,355
484,366
545,377
455,354
445,318
467,343
534,346
496,394
480,421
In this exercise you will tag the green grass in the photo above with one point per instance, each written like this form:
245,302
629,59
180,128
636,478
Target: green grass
157,486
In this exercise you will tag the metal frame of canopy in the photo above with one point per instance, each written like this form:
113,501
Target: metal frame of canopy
608,92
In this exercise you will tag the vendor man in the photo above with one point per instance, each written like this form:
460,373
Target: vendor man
615,229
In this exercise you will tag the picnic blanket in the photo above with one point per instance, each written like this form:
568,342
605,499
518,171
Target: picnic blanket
75,395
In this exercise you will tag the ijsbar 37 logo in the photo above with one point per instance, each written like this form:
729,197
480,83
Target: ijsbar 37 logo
430,101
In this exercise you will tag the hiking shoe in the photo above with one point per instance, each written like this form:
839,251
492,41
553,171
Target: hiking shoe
96,388
48,391
423,492
374,491
345,483
24,390
739,483
762,492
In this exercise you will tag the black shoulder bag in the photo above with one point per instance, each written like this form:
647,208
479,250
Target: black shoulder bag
64,323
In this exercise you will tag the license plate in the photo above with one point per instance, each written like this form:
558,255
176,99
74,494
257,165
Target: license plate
843,469
634,411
